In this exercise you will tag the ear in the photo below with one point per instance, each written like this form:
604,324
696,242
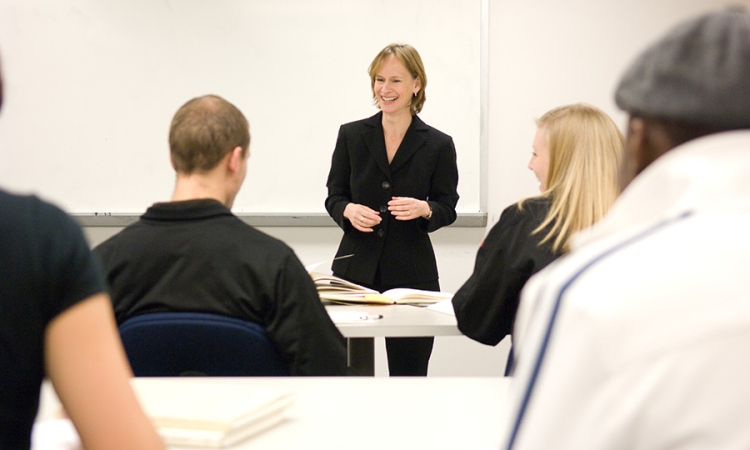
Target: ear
634,151
171,162
234,159
417,85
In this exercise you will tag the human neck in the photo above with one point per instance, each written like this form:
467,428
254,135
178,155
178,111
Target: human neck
396,124
196,186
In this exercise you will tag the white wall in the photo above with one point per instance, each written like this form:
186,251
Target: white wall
546,53
542,54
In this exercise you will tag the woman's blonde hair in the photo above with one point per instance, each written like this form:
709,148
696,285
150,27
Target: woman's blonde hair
585,149
410,58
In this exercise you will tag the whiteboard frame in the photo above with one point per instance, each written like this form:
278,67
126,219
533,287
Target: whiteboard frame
464,219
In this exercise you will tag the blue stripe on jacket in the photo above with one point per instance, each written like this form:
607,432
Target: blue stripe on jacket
558,301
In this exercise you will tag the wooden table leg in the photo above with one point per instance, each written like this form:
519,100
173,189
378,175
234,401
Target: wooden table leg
361,355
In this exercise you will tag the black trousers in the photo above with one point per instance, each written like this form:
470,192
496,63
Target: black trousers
407,356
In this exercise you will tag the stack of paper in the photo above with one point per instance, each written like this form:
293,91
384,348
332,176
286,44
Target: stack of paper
207,413
337,290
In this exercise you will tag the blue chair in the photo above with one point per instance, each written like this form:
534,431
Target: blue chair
168,344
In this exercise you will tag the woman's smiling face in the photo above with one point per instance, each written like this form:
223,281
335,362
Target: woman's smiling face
394,87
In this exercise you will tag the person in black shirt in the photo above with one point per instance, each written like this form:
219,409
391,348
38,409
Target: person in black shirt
193,254
393,180
56,321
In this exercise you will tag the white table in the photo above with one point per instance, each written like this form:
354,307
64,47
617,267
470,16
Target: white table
377,413
397,321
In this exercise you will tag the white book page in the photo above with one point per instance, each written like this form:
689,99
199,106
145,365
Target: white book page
408,295
443,306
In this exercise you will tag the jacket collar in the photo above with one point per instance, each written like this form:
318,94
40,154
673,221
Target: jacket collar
375,141
711,173
186,210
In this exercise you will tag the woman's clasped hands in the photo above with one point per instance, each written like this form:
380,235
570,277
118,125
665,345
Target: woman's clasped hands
402,208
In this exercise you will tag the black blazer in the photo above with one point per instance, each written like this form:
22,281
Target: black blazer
424,168
511,253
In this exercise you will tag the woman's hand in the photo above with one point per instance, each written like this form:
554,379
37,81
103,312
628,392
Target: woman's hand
361,217
407,208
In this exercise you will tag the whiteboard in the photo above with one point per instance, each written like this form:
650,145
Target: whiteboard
91,87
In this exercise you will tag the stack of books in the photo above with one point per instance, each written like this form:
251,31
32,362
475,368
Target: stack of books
209,414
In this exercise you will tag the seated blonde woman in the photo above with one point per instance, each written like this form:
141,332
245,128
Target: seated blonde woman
576,156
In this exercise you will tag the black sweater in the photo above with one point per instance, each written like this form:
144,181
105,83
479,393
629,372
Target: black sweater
198,256
486,304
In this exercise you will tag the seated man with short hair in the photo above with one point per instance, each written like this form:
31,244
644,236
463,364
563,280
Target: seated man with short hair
193,254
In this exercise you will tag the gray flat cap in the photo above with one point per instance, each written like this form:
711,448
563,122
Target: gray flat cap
698,74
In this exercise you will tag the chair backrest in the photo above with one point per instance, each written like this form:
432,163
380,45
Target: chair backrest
187,343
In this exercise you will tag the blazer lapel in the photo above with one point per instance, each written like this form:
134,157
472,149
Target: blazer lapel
375,141
413,139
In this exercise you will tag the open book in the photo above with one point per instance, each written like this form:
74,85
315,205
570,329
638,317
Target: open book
333,289
205,413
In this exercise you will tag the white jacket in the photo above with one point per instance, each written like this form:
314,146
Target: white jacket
640,337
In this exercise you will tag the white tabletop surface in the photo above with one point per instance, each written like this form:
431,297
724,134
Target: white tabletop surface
377,413
397,321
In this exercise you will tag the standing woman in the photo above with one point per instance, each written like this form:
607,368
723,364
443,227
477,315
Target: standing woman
576,157
393,179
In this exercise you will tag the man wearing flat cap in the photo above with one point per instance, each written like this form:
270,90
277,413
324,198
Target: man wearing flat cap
639,338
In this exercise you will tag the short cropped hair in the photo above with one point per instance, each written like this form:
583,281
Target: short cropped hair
585,150
410,58
203,131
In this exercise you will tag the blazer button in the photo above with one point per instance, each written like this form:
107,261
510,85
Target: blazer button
386,185
383,209
381,233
